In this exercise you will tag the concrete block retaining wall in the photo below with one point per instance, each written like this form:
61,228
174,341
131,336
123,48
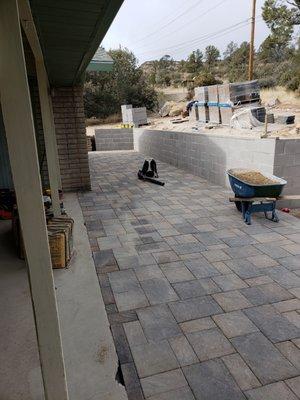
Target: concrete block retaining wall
287,163
209,156
114,139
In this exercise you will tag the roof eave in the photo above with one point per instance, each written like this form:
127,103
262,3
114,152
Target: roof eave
104,22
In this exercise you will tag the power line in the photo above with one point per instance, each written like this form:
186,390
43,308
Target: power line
218,36
188,23
206,38
171,22
162,20
221,35
196,40
181,50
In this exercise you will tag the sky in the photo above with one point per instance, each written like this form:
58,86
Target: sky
154,28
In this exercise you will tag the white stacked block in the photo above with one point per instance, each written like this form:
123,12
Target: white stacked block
134,116
124,110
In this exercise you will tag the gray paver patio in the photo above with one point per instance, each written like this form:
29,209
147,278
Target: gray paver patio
275,326
158,323
274,391
201,306
210,344
241,372
263,358
211,380
234,324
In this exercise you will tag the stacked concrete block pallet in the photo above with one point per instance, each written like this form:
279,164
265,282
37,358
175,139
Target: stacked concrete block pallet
225,104
125,114
213,104
236,95
194,113
135,116
138,116
114,139
201,95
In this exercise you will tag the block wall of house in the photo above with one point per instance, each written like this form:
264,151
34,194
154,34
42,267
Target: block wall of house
69,121
38,124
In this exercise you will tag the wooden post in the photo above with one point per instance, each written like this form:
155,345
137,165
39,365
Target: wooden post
45,103
19,127
251,55
49,136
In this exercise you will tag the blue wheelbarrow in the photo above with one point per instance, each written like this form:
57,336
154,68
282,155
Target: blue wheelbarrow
251,198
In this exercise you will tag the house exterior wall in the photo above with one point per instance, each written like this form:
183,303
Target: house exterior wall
69,121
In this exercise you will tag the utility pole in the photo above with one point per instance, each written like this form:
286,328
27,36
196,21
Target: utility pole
251,55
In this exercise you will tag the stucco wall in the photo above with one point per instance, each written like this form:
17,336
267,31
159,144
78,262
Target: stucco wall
210,156
114,139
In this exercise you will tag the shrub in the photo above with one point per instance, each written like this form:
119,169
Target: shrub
266,83
105,92
206,78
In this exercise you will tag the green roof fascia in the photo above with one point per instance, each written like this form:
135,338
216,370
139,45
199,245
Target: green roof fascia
96,66
103,25
70,32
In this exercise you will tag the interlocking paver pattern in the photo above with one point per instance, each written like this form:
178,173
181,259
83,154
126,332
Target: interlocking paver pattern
264,358
211,380
275,326
210,344
274,391
201,306
241,372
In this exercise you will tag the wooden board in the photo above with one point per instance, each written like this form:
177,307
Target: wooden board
252,199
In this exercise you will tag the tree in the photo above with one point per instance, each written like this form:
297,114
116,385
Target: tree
194,62
105,92
163,78
281,19
295,3
236,64
166,62
212,54
230,49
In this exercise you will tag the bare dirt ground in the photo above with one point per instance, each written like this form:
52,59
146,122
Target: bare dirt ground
277,101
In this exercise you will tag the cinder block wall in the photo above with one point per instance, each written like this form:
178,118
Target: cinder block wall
38,123
205,155
71,137
211,156
114,139
287,163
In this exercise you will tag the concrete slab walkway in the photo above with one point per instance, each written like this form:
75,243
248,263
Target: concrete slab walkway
201,306
90,357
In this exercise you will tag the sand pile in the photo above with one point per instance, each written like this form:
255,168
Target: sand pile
253,178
